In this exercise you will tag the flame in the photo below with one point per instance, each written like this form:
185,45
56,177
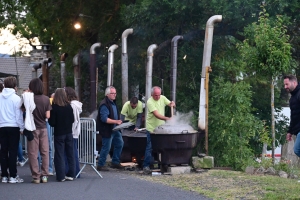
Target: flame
133,159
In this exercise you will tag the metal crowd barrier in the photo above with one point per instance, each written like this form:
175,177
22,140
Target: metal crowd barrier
87,144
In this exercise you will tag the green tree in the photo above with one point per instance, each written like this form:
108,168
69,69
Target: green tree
267,52
231,123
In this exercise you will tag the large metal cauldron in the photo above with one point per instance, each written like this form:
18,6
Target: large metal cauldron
174,143
134,145
126,154
137,144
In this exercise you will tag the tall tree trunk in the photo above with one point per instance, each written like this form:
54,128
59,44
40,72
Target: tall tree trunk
273,120
264,150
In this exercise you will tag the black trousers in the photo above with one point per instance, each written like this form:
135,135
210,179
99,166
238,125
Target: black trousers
9,140
63,144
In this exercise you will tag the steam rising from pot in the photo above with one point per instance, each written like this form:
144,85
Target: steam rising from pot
180,119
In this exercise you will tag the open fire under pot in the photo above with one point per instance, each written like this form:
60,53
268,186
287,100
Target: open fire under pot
134,146
174,144
126,154
137,145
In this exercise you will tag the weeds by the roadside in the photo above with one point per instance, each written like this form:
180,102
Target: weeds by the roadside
221,184
282,165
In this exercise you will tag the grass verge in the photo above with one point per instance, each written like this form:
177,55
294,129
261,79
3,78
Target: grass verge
221,184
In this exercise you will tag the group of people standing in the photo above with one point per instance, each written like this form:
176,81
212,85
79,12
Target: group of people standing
109,117
33,113
62,115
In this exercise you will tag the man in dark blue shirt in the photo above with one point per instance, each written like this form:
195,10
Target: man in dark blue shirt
108,118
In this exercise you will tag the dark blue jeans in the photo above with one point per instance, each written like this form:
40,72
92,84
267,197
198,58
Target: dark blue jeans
297,145
148,151
9,138
20,152
64,144
115,139
77,167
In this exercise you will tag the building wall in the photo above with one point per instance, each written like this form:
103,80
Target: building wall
18,66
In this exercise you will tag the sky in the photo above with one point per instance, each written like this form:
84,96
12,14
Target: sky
10,43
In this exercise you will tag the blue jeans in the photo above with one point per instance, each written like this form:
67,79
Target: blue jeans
297,145
148,151
115,139
20,151
49,130
75,149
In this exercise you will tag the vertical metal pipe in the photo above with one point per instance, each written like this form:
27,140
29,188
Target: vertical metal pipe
34,73
93,99
110,65
77,78
63,69
34,68
149,69
174,43
125,65
206,63
45,78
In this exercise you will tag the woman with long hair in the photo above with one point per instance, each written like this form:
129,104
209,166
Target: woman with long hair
40,141
62,118
77,109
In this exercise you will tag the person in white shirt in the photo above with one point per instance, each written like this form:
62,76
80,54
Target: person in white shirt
11,125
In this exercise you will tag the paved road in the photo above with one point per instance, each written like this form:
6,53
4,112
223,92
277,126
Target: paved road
115,185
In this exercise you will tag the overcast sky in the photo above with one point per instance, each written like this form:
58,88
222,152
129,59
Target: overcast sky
10,43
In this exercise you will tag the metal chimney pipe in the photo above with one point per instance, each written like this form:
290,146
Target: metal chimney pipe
34,68
63,69
206,63
110,70
93,99
77,79
174,43
45,76
149,69
125,65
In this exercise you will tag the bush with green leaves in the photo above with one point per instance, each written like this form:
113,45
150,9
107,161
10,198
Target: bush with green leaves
231,124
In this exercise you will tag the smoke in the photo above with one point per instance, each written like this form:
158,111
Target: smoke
180,119
191,35
94,114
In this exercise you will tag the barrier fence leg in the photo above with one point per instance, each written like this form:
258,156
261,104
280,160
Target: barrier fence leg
87,144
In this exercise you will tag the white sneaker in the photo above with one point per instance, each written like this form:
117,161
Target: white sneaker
22,163
15,180
69,178
4,179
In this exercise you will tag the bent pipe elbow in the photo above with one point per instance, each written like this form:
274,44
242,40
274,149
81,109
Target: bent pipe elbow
124,39
175,39
212,20
112,48
63,56
75,60
93,47
151,48
36,66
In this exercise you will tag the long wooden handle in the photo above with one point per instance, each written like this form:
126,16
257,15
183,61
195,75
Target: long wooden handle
172,111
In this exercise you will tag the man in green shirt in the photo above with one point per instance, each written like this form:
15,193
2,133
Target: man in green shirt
155,117
133,110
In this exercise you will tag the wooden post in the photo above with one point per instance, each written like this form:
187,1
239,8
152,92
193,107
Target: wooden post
208,70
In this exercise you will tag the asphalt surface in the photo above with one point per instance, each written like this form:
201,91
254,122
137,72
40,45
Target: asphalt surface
114,185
